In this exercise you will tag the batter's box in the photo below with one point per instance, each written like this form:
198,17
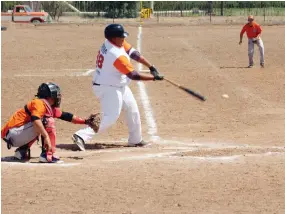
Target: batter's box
228,152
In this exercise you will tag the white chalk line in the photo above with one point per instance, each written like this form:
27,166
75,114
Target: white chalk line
206,146
145,156
56,74
167,145
59,69
152,128
228,158
29,164
89,72
59,73
174,155
74,74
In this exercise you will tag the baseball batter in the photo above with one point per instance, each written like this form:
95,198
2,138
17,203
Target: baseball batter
114,73
253,32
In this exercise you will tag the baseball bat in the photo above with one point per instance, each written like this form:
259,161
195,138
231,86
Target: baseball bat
187,90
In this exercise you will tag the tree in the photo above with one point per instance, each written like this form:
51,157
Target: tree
121,9
8,5
54,8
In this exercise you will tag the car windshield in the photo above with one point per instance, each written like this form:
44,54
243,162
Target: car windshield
28,9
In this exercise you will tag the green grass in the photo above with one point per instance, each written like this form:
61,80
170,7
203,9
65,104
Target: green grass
269,11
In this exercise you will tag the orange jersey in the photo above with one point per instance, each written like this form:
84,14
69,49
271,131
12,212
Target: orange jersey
251,31
37,108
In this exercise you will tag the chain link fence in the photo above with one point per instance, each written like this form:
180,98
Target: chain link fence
218,8
188,12
218,12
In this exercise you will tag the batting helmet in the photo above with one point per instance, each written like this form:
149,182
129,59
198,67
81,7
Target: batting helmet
51,90
115,30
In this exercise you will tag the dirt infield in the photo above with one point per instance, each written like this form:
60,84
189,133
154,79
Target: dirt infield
220,156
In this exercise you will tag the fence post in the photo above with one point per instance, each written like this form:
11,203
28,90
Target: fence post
157,17
210,9
113,14
264,14
152,5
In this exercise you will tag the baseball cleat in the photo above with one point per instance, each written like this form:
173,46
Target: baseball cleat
79,142
43,159
250,66
140,144
22,154
262,65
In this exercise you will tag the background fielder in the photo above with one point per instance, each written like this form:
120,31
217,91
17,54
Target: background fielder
114,73
253,32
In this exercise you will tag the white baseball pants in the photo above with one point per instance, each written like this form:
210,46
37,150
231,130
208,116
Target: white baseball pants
112,101
251,50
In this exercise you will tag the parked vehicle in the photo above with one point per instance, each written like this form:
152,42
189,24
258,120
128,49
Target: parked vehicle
24,14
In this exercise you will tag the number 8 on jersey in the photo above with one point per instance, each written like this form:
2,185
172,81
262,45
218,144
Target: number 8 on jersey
100,60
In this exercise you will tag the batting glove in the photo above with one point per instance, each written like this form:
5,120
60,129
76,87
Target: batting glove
155,73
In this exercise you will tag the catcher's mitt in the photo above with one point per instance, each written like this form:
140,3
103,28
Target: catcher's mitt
94,121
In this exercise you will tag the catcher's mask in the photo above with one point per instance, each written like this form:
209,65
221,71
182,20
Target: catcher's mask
115,30
50,90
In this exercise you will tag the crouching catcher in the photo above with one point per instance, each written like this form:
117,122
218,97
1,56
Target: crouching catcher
37,120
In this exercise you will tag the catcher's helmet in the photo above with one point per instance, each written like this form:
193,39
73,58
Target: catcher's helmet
51,90
115,30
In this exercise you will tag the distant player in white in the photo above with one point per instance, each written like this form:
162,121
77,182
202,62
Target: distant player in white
114,73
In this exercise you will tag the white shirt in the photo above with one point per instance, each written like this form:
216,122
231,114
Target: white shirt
112,65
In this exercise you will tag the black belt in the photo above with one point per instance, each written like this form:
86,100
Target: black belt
95,83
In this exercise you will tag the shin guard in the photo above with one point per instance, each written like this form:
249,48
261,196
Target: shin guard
50,128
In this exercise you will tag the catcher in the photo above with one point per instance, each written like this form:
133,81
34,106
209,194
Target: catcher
37,119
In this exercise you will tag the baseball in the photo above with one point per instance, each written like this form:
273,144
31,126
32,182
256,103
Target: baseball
225,96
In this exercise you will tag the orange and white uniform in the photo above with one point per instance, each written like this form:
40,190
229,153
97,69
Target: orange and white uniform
253,31
19,118
110,86
19,130
113,63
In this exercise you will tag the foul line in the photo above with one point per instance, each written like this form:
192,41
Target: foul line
64,73
57,74
89,72
40,164
152,128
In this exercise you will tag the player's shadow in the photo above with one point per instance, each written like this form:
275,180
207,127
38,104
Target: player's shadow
33,160
233,67
91,146
13,159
